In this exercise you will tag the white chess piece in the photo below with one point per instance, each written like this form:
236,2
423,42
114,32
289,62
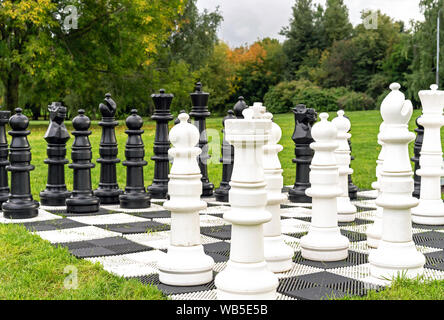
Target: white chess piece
324,241
186,263
430,210
374,231
277,253
346,210
396,253
246,275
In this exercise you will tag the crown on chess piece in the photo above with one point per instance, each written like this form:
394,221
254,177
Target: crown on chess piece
432,101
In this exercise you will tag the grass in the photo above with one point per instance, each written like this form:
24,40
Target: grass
31,268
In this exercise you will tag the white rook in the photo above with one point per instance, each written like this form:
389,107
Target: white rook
396,253
186,263
430,210
346,210
277,253
324,241
246,275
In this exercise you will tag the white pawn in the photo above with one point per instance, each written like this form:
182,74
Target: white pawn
186,263
346,210
396,253
277,253
374,231
430,210
246,275
324,241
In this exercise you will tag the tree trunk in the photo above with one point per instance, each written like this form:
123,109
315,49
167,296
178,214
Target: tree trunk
12,90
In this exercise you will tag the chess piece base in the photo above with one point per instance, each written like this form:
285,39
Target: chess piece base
186,266
135,201
207,189
298,195
392,259
82,205
429,212
52,198
158,190
278,254
108,196
346,210
4,197
246,281
20,209
324,244
374,233
221,193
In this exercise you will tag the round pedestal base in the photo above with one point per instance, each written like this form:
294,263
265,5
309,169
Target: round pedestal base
246,281
4,197
392,259
135,201
108,196
429,212
324,244
82,205
374,234
278,254
207,189
346,210
298,196
20,209
158,190
221,194
186,266
53,198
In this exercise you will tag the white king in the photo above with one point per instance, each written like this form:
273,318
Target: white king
430,210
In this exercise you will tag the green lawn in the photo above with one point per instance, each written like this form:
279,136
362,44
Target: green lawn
31,268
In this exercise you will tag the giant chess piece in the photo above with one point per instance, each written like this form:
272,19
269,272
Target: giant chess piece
374,231
227,160
20,204
430,210
346,210
4,186
239,107
162,115
108,191
324,241
352,189
82,198
396,253
135,195
277,253
199,112
56,136
304,120
246,275
417,153
186,263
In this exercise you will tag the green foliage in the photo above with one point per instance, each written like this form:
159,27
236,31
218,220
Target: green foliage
322,100
335,22
355,101
279,99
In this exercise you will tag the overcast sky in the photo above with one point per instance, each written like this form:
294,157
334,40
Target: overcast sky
245,21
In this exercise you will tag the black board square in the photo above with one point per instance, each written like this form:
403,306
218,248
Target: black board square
306,219
361,208
130,247
216,247
427,227
316,293
218,232
63,212
357,222
296,235
56,224
136,227
353,259
170,290
161,214
219,257
91,252
435,255
354,236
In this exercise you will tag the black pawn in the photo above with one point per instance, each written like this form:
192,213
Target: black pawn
20,204
108,191
227,160
304,120
56,137
135,196
416,155
239,107
352,189
162,115
199,112
4,186
82,198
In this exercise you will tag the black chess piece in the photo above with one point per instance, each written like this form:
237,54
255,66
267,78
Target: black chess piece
4,185
352,189
239,107
304,120
108,191
417,153
162,115
177,121
199,112
227,160
135,196
82,198
20,204
56,137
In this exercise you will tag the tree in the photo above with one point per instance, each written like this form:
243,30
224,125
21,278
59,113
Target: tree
335,23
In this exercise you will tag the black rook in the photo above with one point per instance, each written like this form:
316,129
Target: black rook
20,204
56,136
199,112
4,186
82,199
162,115
417,153
135,196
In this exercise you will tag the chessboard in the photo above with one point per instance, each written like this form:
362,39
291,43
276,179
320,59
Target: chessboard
129,243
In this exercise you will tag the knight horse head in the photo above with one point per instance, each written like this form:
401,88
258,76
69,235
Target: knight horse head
57,112
108,109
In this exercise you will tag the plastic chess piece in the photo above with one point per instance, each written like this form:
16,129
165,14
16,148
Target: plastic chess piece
4,185
20,204
186,263
239,107
135,195
417,153
324,241
396,253
82,199
56,137
159,188
352,189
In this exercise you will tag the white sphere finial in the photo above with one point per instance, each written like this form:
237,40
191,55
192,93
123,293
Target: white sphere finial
324,116
395,86
184,134
183,117
342,123
434,87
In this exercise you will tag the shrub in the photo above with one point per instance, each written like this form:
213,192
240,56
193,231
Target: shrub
321,100
279,99
354,101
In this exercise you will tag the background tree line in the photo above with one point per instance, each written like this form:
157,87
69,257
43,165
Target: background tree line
132,48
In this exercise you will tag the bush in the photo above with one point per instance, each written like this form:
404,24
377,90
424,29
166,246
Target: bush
355,101
321,100
279,99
